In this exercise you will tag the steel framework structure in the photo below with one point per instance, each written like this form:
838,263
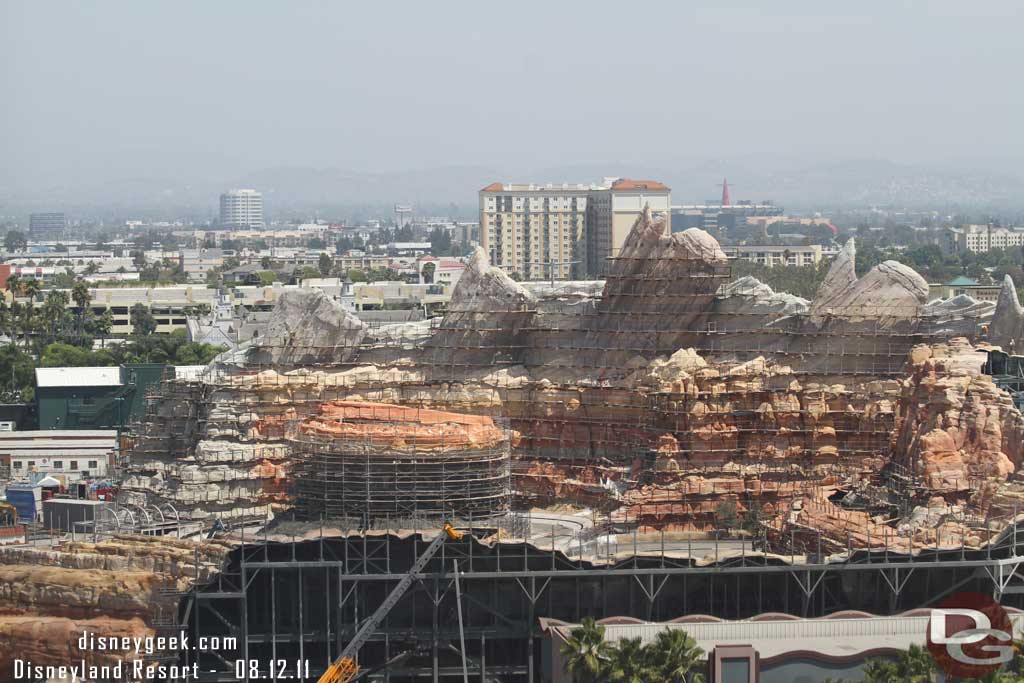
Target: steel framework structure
303,600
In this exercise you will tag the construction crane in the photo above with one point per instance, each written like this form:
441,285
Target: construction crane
345,668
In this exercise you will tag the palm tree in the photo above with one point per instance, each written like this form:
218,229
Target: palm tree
5,315
676,655
30,288
80,295
631,662
586,653
53,311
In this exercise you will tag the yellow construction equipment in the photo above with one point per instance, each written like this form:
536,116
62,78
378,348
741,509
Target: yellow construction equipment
345,668
8,515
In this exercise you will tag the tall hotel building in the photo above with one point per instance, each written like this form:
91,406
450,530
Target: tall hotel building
565,231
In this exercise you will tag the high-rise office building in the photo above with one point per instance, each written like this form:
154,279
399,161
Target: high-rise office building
46,227
241,209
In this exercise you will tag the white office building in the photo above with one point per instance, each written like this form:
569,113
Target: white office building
241,209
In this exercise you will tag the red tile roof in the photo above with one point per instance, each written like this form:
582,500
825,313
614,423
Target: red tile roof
493,187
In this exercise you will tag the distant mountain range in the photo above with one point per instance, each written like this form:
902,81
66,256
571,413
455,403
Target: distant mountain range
332,192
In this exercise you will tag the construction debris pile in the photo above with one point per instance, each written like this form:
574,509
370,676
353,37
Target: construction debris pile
654,397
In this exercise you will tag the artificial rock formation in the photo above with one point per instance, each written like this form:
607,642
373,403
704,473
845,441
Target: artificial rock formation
307,328
668,384
1007,327
956,428
889,290
124,586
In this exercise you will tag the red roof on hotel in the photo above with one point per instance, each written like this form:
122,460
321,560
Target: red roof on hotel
493,187
630,184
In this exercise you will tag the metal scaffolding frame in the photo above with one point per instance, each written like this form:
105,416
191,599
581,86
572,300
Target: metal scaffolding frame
303,600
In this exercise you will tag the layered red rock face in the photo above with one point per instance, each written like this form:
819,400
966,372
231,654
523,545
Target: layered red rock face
117,587
956,428
657,395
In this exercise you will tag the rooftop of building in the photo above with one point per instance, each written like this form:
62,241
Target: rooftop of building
962,281
78,377
841,635
631,184
542,187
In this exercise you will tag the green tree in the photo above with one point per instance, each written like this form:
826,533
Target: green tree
675,656
725,515
54,313
307,273
15,240
60,355
914,665
14,285
440,242
29,289
586,653
80,295
100,325
325,264
143,322
17,375
630,662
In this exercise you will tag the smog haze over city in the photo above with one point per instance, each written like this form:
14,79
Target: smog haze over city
158,106
524,342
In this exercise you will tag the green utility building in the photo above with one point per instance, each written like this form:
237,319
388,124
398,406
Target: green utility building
94,398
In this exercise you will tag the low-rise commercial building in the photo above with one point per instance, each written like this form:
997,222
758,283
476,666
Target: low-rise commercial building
964,285
95,397
770,648
777,254
169,305
67,455
980,239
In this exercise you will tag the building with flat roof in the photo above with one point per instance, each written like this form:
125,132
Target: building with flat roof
241,209
770,648
93,398
562,230
537,231
169,305
979,239
47,227
963,285
725,219
612,212
67,455
777,254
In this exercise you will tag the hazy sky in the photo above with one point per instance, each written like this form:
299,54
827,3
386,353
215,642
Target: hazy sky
108,89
